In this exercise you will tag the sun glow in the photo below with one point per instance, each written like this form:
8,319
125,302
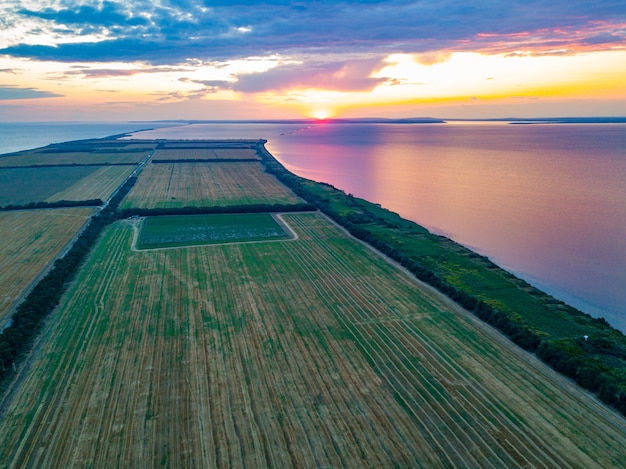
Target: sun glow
321,114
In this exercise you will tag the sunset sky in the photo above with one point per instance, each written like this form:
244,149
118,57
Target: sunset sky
202,59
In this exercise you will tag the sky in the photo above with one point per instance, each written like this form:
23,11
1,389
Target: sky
70,60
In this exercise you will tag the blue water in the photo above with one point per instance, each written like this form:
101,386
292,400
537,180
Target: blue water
24,136
547,202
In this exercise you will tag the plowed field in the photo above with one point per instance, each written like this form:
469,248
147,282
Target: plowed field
306,353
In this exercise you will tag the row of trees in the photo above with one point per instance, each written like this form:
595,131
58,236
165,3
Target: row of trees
56,204
27,320
587,361
217,209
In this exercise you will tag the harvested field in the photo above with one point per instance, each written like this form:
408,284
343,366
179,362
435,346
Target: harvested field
170,231
206,154
19,186
308,353
30,239
175,185
99,184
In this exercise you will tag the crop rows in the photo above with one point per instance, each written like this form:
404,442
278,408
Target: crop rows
99,184
206,184
305,353
205,154
30,240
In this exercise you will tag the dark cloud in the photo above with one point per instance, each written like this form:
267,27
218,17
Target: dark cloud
14,92
174,31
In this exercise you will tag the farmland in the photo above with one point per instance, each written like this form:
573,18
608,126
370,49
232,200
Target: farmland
169,231
226,154
30,239
98,184
86,152
206,184
20,186
313,352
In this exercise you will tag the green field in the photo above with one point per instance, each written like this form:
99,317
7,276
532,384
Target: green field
169,231
307,353
19,186
85,152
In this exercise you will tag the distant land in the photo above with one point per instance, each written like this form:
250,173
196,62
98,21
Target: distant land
406,120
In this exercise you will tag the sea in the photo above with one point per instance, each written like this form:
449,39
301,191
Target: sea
545,201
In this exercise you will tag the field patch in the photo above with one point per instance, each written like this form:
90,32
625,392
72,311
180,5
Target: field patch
212,154
99,184
177,185
30,239
19,186
191,230
81,152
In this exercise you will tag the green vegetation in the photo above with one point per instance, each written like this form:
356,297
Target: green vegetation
313,352
531,318
168,231
20,186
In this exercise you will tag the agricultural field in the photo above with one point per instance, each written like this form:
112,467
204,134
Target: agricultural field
48,157
175,185
197,143
30,239
206,154
307,353
19,186
99,184
170,231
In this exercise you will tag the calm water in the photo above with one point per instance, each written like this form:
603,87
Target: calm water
547,202
24,136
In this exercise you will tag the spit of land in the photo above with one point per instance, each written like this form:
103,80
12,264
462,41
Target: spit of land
308,352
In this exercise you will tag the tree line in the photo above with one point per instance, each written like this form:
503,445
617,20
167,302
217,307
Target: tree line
56,204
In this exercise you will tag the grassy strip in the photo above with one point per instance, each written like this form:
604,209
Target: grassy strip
583,348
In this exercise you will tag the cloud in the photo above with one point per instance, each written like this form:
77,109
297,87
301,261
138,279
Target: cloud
175,31
338,76
8,92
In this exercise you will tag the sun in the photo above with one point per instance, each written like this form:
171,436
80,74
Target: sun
321,114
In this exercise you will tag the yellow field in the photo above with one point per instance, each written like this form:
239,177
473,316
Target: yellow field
206,184
305,353
30,239
98,185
